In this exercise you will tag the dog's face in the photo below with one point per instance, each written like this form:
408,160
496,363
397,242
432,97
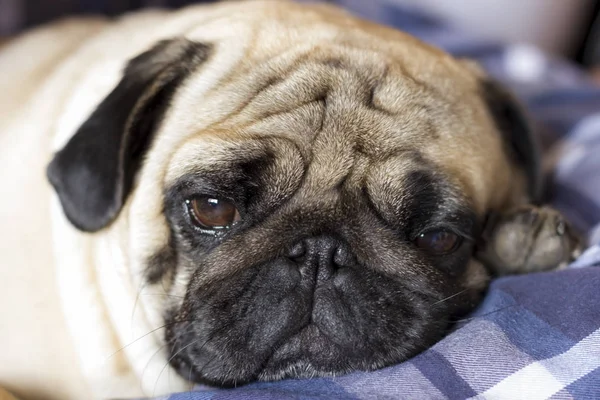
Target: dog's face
313,209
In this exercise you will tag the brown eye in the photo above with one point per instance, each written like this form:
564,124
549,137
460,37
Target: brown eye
438,242
213,213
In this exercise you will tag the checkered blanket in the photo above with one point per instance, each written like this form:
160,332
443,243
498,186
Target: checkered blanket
535,336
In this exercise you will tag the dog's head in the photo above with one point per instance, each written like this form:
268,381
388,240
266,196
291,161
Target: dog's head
311,204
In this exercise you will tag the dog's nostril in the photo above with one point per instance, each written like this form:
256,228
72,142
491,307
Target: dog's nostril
343,256
297,251
322,251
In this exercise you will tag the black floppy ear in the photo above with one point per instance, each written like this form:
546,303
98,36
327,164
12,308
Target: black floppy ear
94,173
520,142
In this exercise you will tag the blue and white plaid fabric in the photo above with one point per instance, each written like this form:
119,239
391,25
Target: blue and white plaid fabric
534,336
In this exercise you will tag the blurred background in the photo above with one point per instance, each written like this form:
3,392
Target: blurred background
569,28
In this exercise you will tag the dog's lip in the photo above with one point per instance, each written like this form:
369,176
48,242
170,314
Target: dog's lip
310,335
185,369
306,340
275,364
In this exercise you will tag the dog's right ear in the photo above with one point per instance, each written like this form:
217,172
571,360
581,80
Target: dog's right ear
94,173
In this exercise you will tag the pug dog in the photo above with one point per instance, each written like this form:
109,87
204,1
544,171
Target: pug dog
250,191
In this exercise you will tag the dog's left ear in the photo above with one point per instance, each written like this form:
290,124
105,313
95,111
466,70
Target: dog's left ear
514,125
94,173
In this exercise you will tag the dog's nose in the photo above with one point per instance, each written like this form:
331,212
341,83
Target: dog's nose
321,254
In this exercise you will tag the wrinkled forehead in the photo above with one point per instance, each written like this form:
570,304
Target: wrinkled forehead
271,170
335,110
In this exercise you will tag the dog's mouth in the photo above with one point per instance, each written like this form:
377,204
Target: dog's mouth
272,322
311,353
306,354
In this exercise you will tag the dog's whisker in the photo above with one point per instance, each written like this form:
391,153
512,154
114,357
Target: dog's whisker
175,338
190,380
152,356
182,349
146,334
135,304
134,341
193,342
485,315
211,337
168,342
450,297
163,294
476,283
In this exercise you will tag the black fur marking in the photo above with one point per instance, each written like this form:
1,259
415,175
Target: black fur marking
519,140
94,173
161,263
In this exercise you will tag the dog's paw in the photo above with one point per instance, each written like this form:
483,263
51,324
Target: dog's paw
529,239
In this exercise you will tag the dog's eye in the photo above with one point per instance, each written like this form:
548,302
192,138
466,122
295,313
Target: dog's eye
438,242
212,213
